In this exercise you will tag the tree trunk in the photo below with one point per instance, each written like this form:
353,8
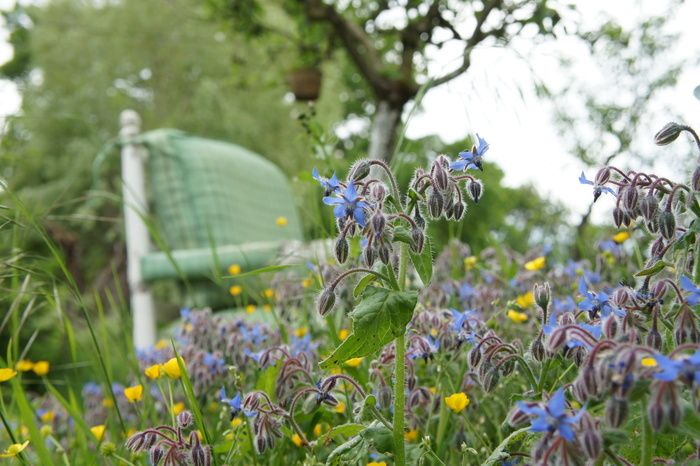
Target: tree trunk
382,137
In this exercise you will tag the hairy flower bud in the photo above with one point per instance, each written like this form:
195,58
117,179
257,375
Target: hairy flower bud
369,255
360,170
610,327
156,454
418,240
620,297
537,348
668,134
654,339
384,253
667,224
542,295
603,176
184,419
655,413
201,456
657,248
649,206
616,410
435,203
629,198
326,300
418,218
618,217
591,439
474,357
378,191
475,189
341,249
685,330
517,417
439,177
659,290
458,211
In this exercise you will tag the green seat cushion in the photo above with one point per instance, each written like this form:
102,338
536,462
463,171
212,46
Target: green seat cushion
206,262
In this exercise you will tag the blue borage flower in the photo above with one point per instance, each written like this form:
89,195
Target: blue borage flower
593,303
214,363
687,284
552,417
348,204
471,158
572,342
597,189
234,403
464,324
686,370
329,185
303,345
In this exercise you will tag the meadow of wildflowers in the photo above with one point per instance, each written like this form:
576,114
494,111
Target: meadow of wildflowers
389,353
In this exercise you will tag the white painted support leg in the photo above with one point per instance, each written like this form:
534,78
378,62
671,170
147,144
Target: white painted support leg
137,239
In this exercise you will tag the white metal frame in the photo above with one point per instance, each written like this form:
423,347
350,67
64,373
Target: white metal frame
137,239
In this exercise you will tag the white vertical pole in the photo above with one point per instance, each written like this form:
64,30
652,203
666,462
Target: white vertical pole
137,240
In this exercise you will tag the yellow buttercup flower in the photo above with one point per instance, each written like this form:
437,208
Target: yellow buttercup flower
525,299
649,362
535,264
339,408
343,334
234,269
24,365
6,373
235,290
296,440
14,450
41,367
336,371
321,428
178,408
269,293
281,221
457,401
98,431
432,390
134,394
48,415
470,262
250,309
301,332
236,421
108,402
46,430
376,463
307,282
411,435
161,344
172,368
152,372
354,362
516,316
621,237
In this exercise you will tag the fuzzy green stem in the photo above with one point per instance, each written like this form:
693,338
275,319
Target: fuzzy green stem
647,437
399,394
442,427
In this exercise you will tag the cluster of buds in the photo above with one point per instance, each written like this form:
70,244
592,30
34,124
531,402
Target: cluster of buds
169,445
267,420
492,358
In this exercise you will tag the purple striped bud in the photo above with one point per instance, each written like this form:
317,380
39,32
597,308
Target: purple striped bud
136,442
439,176
659,290
360,170
342,248
685,330
603,176
649,207
369,255
537,348
668,134
378,191
655,413
201,456
610,327
620,297
616,410
657,248
591,439
654,339
652,225
618,217
378,222
418,238
418,218
326,300
695,179
542,295
384,252
475,188
667,224
458,211
156,454
556,340
673,407
629,198
435,203
184,419
517,417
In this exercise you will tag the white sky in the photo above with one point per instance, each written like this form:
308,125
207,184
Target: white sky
524,142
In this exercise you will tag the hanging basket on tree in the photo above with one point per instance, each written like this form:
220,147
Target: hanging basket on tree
305,83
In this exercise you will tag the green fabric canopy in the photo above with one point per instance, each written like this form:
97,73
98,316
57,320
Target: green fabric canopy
214,204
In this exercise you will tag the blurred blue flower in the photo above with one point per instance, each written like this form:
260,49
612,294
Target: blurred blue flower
303,345
686,370
329,185
348,204
552,417
471,158
593,303
214,364
687,284
234,403
597,189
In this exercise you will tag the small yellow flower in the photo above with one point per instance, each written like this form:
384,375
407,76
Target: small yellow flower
134,394
41,367
354,362
336,371
621,237
433,332
433,390
236,421
6,373
343,333
24,365
318,430
411,435
525,300
131,431
267,308
457,401
535,264
470,262
172,368
24,431
108,402
301,332
14,449
269,293
161,344
339,408
516,316
250,308
281,221
649,362
152,372
48,415
98,431
234,269
235,290
296,440
307,282
178,408
376,463
46,430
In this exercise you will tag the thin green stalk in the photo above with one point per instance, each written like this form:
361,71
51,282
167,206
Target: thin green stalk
399,395
647,437
442,427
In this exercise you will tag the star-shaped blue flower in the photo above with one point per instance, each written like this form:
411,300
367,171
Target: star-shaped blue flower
234,403
471,158
348,204
552,417
686,370
593,303
687,284
597,189
329,185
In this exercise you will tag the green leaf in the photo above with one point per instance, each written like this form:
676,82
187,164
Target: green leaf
362,284
267,381
500,453
381,316
423,262
351,452
402,234
379,437
653,270
346,430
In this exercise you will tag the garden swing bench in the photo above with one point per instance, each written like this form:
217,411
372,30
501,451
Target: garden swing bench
216,204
